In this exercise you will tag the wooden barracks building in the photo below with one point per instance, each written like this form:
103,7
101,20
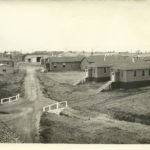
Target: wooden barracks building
63,63
131,75
100,69
35,58
124,73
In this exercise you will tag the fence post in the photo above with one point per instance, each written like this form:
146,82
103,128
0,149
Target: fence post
50,107
9,99
18,96
44,109
57,105
1,101
66,104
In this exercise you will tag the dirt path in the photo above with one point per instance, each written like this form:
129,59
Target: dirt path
35,96
24,116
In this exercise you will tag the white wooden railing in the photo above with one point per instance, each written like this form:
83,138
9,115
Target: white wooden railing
107,84
56,107
82,80
10,99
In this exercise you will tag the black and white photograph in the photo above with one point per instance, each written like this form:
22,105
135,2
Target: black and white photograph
75,72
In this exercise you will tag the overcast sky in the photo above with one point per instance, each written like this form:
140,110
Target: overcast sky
82,25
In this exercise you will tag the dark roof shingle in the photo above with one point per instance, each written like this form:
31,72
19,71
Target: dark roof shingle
65,59
133,66
102,61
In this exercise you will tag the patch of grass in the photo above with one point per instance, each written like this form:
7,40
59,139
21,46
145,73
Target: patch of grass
12,84
59,131
114,135
126,116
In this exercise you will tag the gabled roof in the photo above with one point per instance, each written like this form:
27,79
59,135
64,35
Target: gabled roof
146,58
133,66
5,59
65,59
94,59
2,65
106,61
118,62
36,55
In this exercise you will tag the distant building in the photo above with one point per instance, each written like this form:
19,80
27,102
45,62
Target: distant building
6,65
7,61
34,58
63,63
6,69
145,57
16,56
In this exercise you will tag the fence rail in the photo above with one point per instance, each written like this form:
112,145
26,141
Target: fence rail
55,106
10,99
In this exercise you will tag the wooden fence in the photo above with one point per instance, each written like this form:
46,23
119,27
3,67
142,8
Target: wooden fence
10,99
56,107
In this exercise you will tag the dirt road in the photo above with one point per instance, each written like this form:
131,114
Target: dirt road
34,96
26,114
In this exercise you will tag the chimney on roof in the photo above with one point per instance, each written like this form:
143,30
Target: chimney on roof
105,57
133,60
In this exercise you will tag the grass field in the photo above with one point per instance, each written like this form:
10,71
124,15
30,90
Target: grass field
118,116
11,84
67,77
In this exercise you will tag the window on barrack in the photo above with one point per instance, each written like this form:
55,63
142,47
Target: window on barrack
135,73
55,66
143,73
105,70
64,65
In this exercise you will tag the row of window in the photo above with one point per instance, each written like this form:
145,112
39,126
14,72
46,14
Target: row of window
55,66
105,70
135,73
63,65
5,63
143,73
